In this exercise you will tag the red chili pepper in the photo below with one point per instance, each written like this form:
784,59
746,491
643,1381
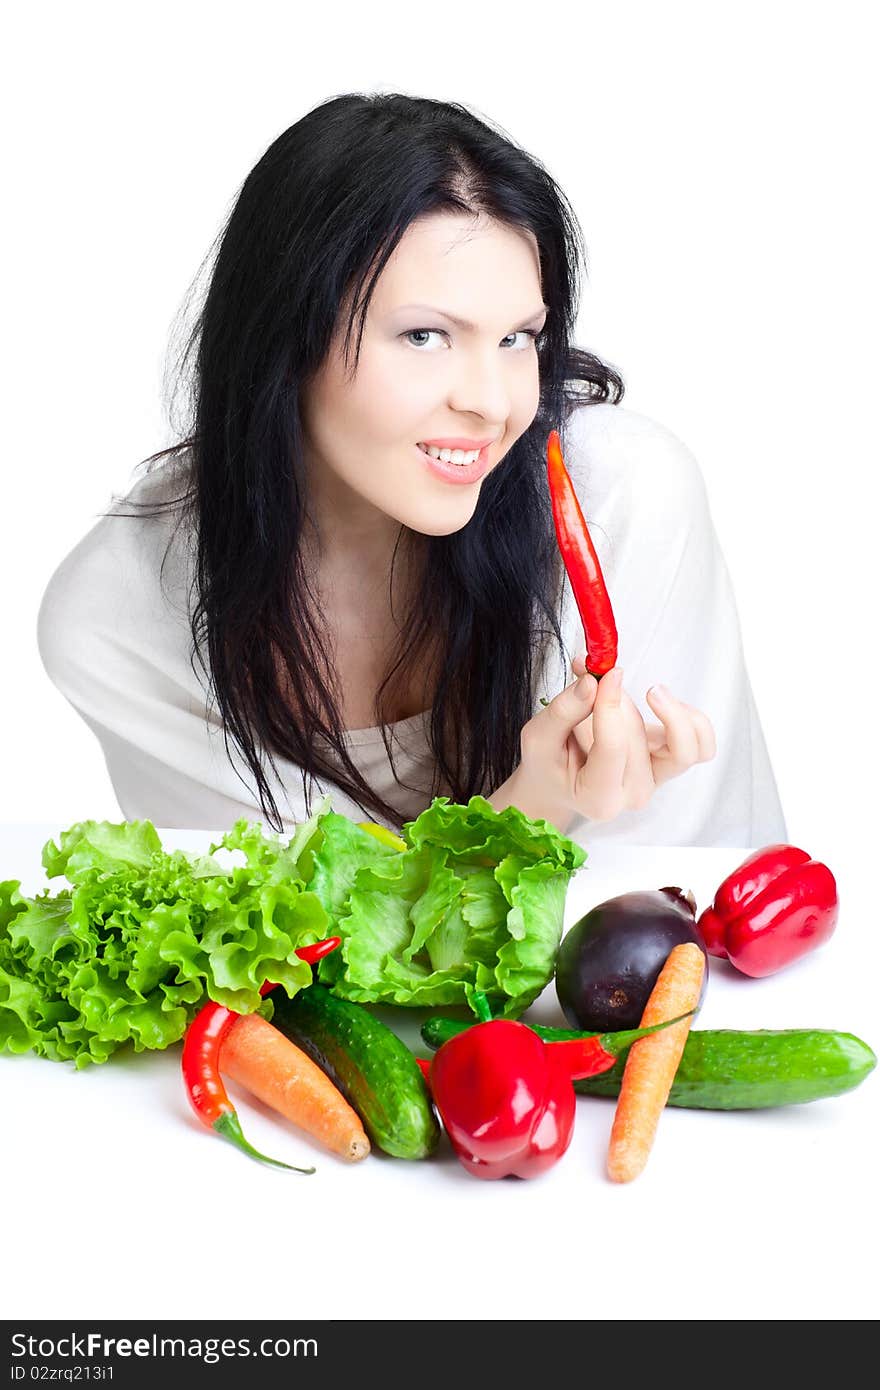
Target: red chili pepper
581,564
775,907
201,1056
580,1056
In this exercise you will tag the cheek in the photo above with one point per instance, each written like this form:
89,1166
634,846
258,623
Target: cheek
389,392
527,398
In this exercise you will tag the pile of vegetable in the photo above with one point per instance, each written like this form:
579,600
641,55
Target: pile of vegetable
266,971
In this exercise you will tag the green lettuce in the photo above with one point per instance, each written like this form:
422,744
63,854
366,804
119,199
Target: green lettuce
475,902
141,938
138,938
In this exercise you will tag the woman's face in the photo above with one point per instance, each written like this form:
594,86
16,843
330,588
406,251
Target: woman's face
422,377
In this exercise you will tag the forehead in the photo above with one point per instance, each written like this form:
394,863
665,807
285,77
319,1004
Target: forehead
460,257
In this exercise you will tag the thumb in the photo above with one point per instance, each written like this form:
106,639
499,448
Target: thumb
569,708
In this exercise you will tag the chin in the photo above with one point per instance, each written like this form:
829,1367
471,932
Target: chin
454,519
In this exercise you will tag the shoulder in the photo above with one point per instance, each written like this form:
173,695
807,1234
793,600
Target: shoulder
124,579
621,460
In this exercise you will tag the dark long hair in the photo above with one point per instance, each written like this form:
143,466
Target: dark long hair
311,229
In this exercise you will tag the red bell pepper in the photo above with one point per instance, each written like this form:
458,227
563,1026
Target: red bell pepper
506,1097
506,1102
778,905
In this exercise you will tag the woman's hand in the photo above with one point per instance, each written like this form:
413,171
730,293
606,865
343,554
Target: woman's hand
590,751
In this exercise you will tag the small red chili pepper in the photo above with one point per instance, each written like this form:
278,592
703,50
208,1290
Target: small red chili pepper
580,1056
775,907
201,1057
581,564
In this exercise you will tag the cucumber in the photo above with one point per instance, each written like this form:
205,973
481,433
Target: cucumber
372,1067
726,1069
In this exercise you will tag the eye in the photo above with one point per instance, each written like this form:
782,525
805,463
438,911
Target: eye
532,334
415,332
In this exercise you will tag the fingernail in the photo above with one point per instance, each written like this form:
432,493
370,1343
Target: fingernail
583,685
659,692
616,675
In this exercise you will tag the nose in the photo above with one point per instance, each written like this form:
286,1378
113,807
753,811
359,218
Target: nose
481,388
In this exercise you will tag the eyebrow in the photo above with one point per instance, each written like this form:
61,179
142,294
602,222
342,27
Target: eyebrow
463,323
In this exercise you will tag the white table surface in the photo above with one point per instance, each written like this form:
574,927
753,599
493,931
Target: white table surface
114,1195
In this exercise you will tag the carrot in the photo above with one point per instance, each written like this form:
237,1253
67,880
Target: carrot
653,1061
276,1071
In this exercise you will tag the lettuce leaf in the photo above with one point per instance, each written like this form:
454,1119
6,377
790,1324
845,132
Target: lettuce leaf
141,938
476,901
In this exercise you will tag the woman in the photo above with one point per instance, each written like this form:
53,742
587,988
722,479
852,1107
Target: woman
306,590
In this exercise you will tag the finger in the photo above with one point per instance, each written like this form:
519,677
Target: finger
600,782
681,735
706,742
658,747
583,734
551,727
656,736
574,704
705,734
639,784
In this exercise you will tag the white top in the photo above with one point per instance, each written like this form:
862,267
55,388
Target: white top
116,642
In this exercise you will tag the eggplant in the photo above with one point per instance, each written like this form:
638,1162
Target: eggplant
608,962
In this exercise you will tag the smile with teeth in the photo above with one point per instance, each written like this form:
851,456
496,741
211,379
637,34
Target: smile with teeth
451,455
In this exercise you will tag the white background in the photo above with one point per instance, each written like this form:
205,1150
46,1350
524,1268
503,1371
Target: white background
722,162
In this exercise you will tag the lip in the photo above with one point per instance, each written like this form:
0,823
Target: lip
459,442
456,472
